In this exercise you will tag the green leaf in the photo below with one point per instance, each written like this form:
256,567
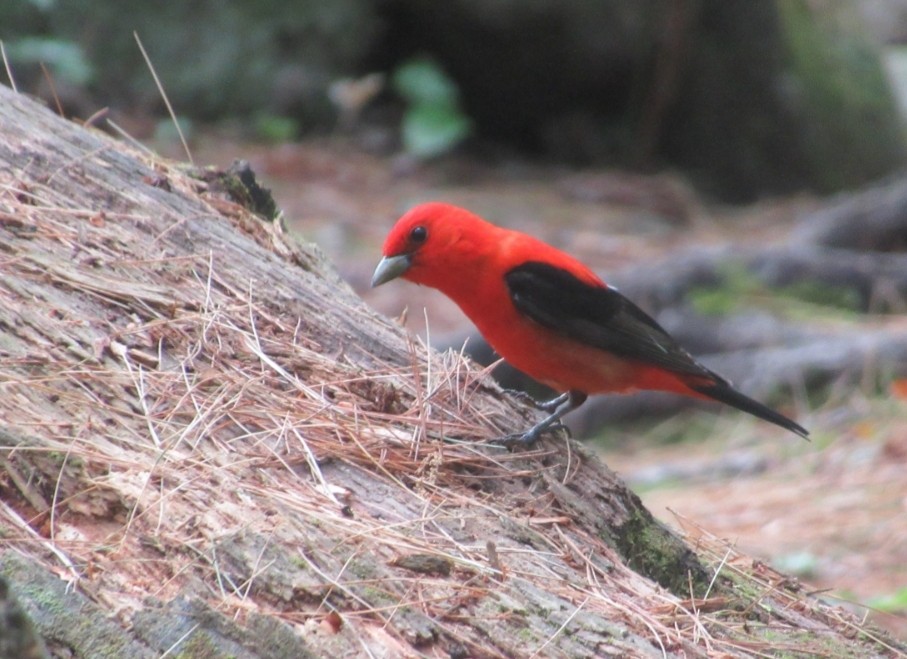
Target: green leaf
421,81
430,130
274,128
64,58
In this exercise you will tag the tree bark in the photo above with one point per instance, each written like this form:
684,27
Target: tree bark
214,446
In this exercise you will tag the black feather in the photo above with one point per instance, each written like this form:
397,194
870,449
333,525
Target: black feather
600,316
725,393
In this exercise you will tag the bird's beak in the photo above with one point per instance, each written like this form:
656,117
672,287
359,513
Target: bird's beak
390,267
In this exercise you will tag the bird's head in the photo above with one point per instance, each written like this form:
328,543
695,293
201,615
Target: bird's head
421,245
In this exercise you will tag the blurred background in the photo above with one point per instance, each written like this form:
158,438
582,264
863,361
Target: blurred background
734,166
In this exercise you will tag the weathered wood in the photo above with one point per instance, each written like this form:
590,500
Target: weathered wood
105,252
874,219
206,432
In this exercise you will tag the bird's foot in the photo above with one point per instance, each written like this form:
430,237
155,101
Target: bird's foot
530,437
557,407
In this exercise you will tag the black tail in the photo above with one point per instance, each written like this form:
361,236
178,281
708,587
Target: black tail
725,393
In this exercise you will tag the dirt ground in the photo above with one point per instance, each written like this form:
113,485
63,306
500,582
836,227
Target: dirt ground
832,512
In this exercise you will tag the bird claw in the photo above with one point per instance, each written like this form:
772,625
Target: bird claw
530,437
557,407
510,442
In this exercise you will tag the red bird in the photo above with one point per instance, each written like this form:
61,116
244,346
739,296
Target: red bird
548,315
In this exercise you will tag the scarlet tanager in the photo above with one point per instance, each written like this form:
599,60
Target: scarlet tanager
548,315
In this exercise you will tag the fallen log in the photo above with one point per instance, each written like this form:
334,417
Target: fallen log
871,220
217,448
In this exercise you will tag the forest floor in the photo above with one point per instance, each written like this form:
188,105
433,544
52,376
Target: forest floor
831,512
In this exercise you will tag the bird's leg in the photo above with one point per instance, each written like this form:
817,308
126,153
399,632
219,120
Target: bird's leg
544,405
561,405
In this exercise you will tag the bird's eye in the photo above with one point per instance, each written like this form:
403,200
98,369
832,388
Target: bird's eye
418,235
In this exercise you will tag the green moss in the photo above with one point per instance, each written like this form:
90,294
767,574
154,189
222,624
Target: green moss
48,601
725,296
299,562
820,293
242,187
377,597
739,288
363,570
198,646
654,551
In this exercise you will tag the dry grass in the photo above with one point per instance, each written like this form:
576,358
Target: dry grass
171,431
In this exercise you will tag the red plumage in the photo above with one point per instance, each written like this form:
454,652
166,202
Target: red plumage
547,313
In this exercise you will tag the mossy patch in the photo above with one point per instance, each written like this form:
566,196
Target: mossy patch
739,288
242,187
652,550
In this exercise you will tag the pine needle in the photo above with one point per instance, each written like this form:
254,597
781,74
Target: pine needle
160,88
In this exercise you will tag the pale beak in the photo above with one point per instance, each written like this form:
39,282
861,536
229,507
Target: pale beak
391,267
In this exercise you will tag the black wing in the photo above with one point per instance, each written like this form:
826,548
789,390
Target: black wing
597,316
602,317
